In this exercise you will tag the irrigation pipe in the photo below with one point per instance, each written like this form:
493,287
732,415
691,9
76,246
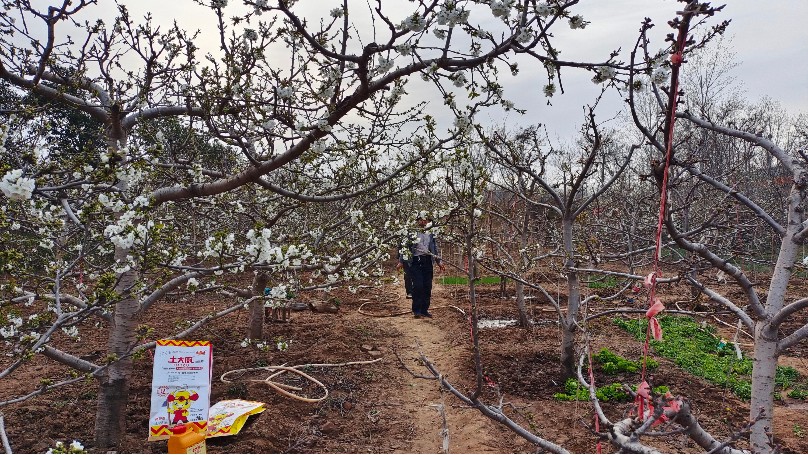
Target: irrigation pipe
283,388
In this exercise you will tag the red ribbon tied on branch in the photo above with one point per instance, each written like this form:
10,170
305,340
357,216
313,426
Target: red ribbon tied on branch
656,308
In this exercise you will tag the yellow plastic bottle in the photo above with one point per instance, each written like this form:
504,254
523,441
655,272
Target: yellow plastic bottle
185,440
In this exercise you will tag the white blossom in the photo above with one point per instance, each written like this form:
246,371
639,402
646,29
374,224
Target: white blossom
459,79
250,34
336,12
72,331
502,9
604,74
218,3
543,9
404,49
384,65
462,122
17,187
285,92
577,22
414,23
451,15
660,75
525,36
549,90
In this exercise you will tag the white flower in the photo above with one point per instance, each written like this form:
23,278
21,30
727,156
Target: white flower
415,23
218,3
76,446
805,261
525,36
478,213
141,201
17,187
336,12
385,65
439,33
404,49
459,79
192,283
462,123
544,10
250,34
269,125
245,342
660,75
604,74
451,15
324,125
502,9
72,331
577,22
285,92
549,90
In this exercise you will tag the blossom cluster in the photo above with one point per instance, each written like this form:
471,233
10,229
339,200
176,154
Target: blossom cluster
16,187
414,23
502,8
449,14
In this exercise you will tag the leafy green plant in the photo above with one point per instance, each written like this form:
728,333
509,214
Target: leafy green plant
696,348
612,363
573,391
606,282
799,393
465,280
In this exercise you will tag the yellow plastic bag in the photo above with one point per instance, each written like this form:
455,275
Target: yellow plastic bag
227,417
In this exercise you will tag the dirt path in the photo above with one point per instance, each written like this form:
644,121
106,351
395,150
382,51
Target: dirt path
469,431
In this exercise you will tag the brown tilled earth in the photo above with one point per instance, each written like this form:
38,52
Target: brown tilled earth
381,407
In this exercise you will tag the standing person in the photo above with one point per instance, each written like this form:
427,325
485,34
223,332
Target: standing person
423,252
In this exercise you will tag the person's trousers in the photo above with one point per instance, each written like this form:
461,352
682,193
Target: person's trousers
407,279
421,274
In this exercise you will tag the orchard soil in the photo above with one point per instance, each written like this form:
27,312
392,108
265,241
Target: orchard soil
381,407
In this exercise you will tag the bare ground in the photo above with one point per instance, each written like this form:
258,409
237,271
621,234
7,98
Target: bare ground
381,407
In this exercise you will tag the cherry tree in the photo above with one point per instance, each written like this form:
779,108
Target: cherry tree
715,132
296,108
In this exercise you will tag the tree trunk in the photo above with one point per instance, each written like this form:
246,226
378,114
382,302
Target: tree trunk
256,330
764,367
568,324
524,321
113,393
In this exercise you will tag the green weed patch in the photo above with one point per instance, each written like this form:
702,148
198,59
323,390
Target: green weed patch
465,280
612,363
573,391
695,348
606,282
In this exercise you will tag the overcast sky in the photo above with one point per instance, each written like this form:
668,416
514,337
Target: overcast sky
769,38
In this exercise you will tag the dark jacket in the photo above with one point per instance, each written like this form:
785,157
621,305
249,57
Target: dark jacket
410,245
